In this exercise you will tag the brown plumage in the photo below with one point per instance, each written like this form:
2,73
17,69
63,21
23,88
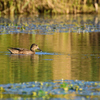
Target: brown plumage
24,51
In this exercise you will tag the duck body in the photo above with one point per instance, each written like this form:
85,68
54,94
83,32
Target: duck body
24,51
20,51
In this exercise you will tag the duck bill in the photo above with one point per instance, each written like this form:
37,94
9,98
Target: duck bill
39,49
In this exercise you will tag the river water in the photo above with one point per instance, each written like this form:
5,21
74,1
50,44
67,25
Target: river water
70,48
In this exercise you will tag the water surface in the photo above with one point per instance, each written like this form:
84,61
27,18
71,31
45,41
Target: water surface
70,48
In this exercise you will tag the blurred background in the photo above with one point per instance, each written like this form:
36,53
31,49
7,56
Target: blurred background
48,6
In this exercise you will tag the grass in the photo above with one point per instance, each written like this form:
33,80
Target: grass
45,6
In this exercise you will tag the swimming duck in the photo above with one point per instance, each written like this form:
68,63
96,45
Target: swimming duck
24,51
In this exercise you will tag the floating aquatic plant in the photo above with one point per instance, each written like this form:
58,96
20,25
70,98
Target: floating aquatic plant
40,89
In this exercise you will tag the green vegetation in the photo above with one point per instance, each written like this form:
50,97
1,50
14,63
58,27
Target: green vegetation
45,6
72,89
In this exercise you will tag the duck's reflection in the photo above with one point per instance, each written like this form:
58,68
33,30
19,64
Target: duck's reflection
24,56
23,67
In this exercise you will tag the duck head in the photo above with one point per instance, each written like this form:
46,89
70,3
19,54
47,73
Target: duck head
34,47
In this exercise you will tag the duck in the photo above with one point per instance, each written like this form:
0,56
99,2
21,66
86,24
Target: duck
24,51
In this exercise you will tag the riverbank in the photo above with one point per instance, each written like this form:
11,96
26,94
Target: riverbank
46,6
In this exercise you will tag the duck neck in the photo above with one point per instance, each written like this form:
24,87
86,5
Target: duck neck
32,50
